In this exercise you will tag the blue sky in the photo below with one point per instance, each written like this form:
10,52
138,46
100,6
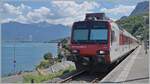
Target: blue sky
62,11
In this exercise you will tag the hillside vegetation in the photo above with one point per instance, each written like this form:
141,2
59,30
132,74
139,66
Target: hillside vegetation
136,25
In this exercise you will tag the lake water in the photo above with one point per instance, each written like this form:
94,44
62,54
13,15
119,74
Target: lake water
27,56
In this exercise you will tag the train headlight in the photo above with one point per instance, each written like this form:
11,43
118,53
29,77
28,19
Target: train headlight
101,52
75,51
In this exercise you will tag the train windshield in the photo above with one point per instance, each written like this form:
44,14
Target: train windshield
81,34
98,34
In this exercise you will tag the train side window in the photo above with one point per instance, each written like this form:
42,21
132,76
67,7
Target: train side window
112,36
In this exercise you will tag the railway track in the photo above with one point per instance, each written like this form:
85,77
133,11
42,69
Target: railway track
72,76
84,77
98,78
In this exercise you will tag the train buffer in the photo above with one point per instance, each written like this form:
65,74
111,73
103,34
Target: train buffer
134,69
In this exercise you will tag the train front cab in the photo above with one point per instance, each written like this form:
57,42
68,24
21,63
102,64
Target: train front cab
90,45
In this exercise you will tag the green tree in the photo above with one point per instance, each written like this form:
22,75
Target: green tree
48,61
136,25
48,56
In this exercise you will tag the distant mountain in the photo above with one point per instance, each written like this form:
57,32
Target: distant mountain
42,31
140,8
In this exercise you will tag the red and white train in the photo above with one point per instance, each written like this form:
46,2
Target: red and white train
97,42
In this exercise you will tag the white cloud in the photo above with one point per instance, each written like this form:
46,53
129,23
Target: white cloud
10,9
13,13
124,2
23,13
72,8
66,12
24,8
60,12
21,19
40,14
120,9
71,11
5,20
65,21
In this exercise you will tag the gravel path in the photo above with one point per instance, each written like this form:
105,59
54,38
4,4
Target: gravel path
59,66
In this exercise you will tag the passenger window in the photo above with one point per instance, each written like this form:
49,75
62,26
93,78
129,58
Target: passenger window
112,36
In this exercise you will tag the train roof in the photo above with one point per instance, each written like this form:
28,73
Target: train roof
96,17
94,20
128,34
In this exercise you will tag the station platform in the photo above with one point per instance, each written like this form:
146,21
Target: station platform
134,69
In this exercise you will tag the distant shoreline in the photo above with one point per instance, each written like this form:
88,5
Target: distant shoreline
28,42
17,73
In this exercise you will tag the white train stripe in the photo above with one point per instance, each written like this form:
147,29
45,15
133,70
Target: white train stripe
127,68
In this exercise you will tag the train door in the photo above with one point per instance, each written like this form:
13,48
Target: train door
114,47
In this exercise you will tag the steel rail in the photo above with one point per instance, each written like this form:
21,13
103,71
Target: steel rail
72,76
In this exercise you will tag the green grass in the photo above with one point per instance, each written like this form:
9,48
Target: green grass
40,78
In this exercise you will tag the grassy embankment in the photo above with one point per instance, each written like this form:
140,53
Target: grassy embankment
40,78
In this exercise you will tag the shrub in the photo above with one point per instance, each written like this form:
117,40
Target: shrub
48,56
40,78
43,64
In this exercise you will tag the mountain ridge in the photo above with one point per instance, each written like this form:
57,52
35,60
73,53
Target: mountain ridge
140,8
42,31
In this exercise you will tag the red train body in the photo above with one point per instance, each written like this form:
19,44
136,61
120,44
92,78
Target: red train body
98,42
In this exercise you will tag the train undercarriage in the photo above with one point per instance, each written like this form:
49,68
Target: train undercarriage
91,64
95,63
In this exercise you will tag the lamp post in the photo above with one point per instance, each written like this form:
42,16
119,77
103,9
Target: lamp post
145,36
14,56
145,17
